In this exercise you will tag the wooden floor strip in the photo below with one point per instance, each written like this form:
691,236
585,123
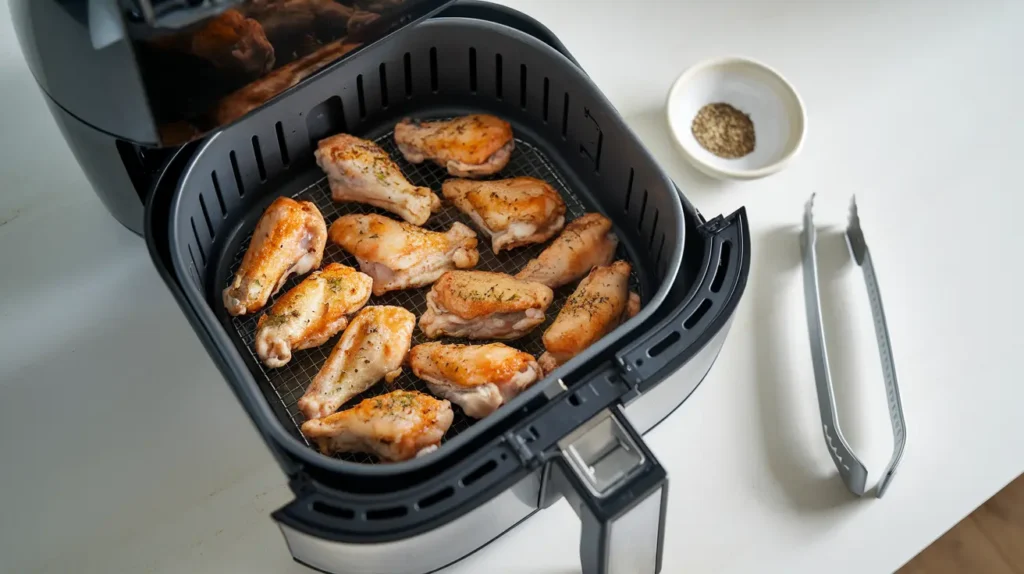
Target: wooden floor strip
990,540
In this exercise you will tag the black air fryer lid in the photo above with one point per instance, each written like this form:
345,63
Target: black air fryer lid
201,74
160,73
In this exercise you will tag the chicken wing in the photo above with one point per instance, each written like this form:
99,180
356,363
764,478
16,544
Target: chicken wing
359,170
514,212
311,313
400,255
601,302
467,146
484,305
396,426
373,346
289,239
479,378
585,243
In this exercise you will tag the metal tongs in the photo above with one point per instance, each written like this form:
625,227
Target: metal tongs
851,469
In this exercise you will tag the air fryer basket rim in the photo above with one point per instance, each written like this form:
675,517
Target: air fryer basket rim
263,413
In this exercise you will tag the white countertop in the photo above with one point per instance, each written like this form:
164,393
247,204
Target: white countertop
122,449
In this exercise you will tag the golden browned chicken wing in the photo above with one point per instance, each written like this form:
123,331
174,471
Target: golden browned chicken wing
601,303
484,305
289,239
311,313
467,146
479,378
359,170
400,255
514,212
585,243
373,347
396,426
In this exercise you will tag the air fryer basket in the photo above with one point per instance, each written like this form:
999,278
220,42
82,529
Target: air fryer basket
567,132
289,382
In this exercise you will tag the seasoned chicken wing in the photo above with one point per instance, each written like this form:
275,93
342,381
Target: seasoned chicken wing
479,378
289,239
373,347
396,426
359,170
400,255
515,212
484,305
467,146
585,243
311,313
601,302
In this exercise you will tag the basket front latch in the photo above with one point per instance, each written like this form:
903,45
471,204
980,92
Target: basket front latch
618,490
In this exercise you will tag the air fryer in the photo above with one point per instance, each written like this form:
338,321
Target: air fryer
191,164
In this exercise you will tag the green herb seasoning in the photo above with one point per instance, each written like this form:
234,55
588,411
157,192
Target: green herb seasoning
724,131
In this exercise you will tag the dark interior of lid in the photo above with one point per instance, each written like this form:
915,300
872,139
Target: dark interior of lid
207,75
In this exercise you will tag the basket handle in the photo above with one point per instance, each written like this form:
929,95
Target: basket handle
684,330
618,490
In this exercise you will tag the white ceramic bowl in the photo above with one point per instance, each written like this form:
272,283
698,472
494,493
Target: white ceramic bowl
753,88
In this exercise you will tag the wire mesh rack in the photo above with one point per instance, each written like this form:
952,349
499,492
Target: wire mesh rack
290,381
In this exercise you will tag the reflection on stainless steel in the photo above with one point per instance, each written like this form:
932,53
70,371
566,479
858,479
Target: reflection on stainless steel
216,71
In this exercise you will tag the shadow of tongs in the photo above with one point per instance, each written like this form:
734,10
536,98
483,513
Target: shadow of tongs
851,469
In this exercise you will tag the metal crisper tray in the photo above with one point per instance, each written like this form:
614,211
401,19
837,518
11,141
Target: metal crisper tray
290,382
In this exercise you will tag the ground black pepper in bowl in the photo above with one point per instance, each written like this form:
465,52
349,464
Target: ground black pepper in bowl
724,130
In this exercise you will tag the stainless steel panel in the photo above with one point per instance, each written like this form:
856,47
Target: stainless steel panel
651,407
633,538
431,550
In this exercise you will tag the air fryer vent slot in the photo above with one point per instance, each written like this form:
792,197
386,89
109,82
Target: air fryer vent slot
657,258
629,189
654,228
383,86
361,96
433,70
522,86
697,314
497,76
438,496
199,242
480,472
663,344
219,194
407,64
723,268
643,212
472,70
262,169
547,88
387,513
334,511
238,175
565,115
195,268
206,215
281,143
